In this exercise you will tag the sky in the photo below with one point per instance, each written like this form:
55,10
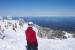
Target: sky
37,7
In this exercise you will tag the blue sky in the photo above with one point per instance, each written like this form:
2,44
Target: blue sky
37,7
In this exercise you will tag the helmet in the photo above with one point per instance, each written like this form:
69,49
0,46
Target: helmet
30,23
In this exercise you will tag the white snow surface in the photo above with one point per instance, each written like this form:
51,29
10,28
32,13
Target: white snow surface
17,41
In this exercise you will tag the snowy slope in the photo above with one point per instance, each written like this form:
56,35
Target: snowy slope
17,41
68,44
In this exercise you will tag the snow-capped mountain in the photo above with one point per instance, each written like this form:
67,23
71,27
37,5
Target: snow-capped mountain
45,32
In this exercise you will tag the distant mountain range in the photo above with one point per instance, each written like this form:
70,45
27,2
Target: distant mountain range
61,23
45,32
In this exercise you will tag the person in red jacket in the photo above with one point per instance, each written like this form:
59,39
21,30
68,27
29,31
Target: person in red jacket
31,37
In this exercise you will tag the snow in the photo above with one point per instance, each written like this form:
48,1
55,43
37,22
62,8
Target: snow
17,41
68,44
68,35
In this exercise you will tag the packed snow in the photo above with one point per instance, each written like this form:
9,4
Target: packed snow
17,40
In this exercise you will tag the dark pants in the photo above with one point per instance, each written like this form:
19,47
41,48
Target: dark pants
31,47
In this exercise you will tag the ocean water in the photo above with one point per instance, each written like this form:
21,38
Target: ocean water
66,23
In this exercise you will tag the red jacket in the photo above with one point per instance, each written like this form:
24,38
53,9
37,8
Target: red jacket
31,35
